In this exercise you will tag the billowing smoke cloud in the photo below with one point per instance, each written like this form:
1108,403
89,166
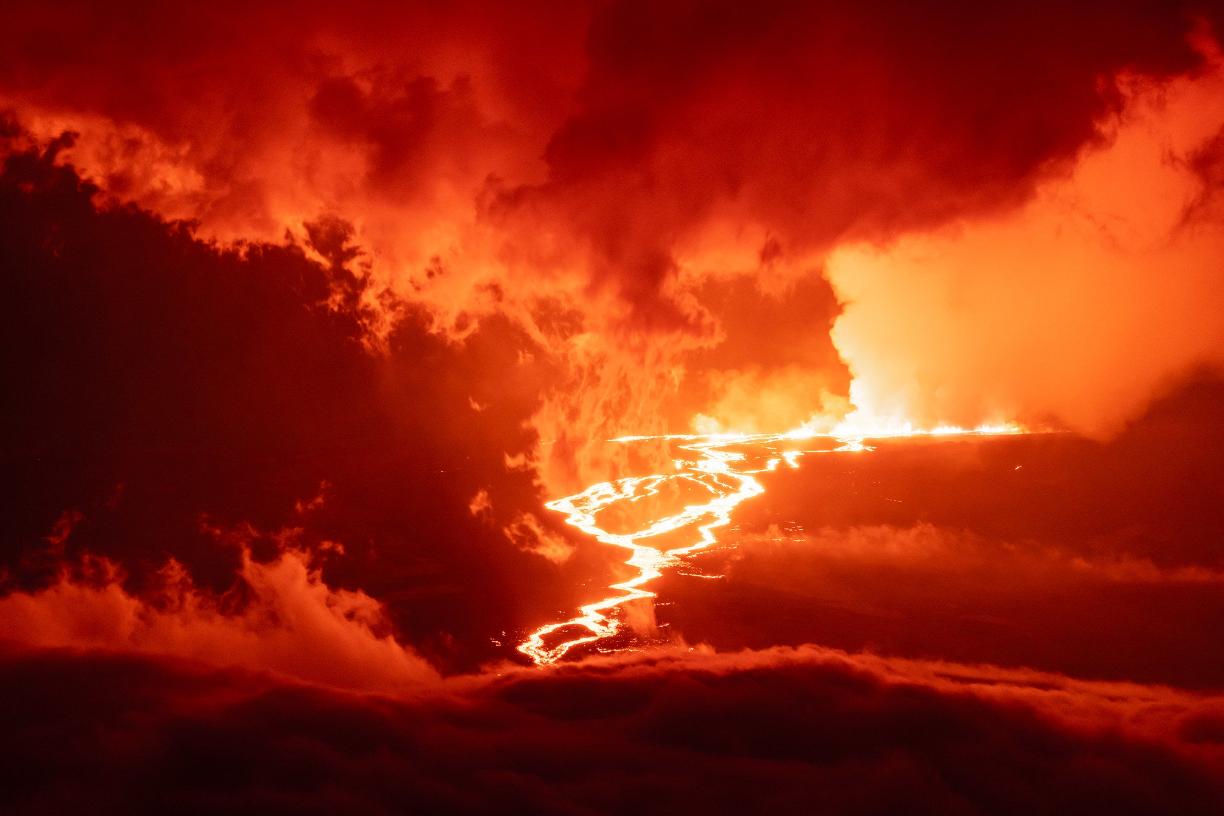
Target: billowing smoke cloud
598,175
1075,310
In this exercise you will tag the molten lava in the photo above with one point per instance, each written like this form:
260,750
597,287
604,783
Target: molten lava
727,475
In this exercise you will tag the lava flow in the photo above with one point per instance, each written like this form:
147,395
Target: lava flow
726,474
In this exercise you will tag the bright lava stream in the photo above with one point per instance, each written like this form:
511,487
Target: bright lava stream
716,472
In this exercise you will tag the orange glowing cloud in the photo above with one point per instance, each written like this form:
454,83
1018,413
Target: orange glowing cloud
1075,309
596,175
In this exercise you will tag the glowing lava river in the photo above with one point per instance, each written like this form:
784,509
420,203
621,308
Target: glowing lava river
664,519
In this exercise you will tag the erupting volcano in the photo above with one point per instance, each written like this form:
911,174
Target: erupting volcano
685,406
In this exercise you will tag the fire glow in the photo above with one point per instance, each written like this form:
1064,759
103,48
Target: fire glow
728,476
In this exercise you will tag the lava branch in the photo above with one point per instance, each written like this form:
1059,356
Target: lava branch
715,472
